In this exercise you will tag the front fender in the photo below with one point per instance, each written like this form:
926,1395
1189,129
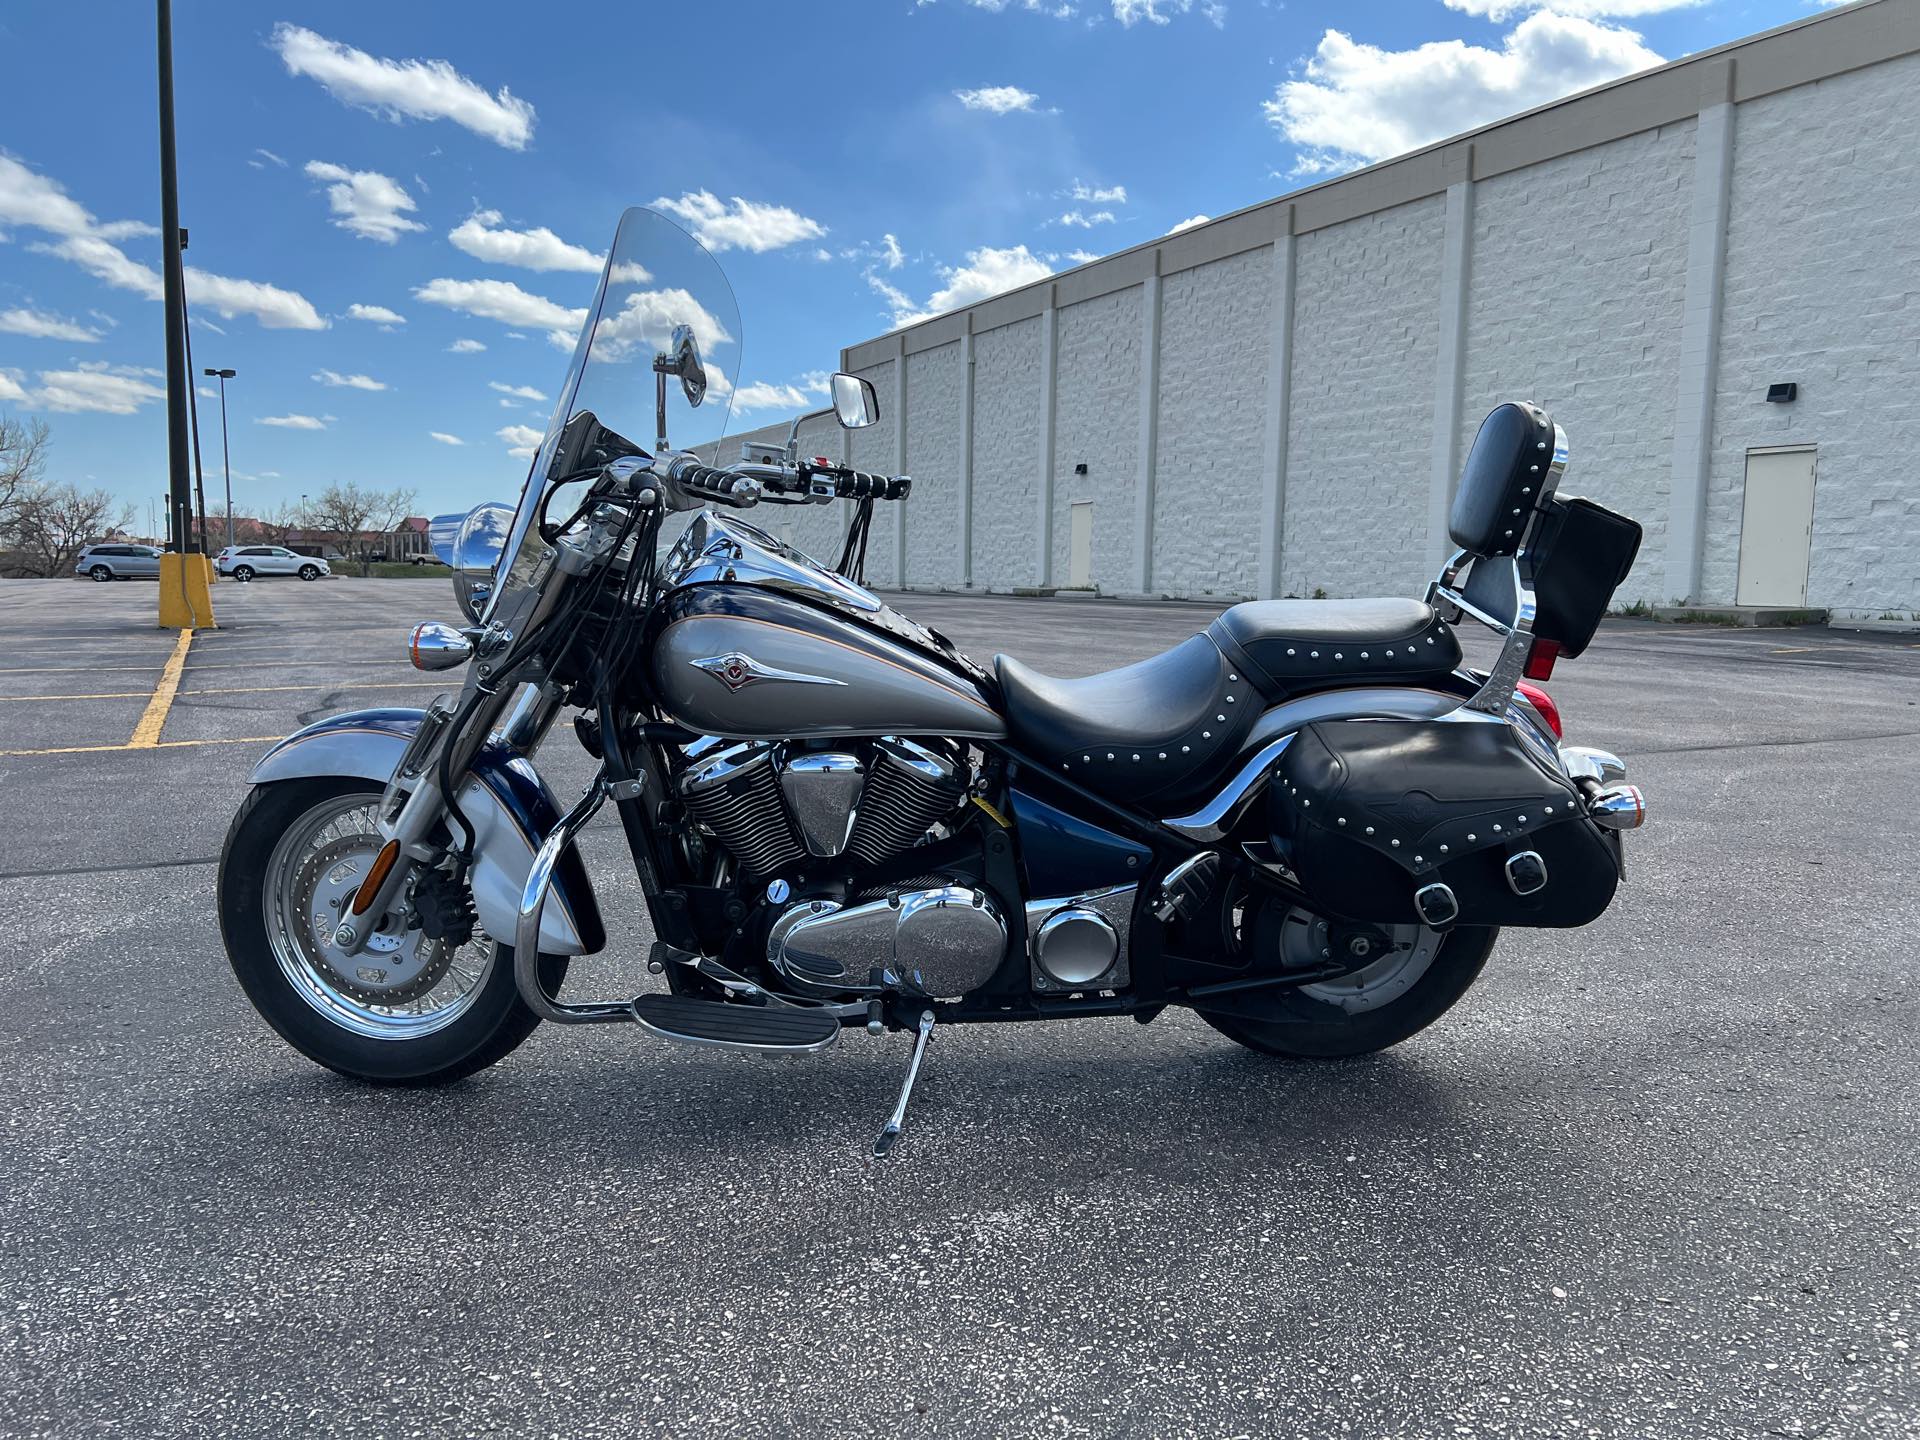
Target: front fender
508,804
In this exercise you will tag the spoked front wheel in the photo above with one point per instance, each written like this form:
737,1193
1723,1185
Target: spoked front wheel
1378,1005
407,1009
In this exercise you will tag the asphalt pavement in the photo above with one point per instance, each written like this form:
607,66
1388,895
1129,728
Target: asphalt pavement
1656,1177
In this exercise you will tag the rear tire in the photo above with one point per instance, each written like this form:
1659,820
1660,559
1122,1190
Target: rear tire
1310,1023
490,1024
101,574
243,573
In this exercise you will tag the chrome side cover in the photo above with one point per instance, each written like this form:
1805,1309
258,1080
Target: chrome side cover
1079,942
941,942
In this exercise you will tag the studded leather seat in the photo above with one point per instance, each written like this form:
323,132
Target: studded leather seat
1163,730
1291,646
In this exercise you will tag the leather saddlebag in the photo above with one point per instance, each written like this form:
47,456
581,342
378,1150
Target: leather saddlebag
1369,813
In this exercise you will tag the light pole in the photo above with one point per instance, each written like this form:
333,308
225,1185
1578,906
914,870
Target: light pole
226,460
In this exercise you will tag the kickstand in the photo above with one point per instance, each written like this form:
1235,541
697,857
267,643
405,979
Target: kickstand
890,1132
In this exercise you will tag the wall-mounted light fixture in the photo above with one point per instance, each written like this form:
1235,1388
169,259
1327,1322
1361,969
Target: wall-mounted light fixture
1081,468
1784,392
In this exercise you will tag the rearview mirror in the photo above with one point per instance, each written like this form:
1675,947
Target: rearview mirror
855,402
682,358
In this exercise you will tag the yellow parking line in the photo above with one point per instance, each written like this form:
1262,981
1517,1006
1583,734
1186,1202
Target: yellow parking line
146,734
156,745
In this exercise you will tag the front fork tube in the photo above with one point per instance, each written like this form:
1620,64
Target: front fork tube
532,713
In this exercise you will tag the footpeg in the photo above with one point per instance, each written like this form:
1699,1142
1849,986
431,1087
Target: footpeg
890,1132
1186,886
694,1021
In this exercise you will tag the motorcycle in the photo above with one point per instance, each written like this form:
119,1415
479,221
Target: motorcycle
1307,823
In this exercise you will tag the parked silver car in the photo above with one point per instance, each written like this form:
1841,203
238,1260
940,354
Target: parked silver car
243,562
119,562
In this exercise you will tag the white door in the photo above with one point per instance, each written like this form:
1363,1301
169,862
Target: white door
1776,528
1080,546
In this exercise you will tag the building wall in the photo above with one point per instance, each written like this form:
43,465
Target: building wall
935,393
1007,404
1578,280
1214,322
1097,391
1366,321
1822,288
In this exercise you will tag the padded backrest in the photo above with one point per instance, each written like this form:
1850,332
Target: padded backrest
1502,480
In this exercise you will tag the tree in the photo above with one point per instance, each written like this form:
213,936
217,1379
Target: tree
59,522
349,510
273,527
23,460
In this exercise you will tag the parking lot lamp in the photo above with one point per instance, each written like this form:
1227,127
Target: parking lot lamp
226,460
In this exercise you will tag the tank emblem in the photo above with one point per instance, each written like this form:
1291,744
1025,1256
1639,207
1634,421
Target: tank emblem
737,670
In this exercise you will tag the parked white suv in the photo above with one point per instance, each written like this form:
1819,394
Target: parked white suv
243,562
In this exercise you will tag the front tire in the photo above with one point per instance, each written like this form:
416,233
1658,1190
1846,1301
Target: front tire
411,1013
309,572
1357,1014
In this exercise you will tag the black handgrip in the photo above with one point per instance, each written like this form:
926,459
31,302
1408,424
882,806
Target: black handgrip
859,485
720,484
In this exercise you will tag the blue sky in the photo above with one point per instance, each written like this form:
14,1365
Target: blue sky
348,171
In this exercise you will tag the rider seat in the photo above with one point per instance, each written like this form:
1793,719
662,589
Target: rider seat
1163,729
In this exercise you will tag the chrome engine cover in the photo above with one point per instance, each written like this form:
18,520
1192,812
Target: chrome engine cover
1079,942
942,942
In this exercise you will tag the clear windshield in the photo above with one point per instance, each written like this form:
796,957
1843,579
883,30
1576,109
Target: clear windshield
657,278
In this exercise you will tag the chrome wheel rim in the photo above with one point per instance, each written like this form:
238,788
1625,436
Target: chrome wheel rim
403,985
1303,941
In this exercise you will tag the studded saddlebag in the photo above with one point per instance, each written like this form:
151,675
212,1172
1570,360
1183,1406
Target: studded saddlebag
1372,812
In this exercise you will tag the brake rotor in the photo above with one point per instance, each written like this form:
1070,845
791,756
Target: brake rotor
396,966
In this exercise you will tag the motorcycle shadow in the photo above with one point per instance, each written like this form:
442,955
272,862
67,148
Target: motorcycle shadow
1056,1099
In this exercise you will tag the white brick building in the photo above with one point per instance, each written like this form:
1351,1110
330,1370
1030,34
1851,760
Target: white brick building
1277,402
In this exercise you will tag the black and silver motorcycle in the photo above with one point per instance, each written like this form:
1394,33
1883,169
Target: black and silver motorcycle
1306,823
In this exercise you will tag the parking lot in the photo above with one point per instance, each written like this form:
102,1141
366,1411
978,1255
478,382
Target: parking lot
1656,1177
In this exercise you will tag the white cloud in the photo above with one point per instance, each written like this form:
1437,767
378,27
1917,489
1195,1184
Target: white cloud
349,382
266,156
482,236
890,252
506,302
522,440
1081,257
1499,11
1099,195
207,392
465,347
366,202
400,89
1159,12
42,326
997,99
33,200
375,314
740,224
988,272
444,438
506,404
1358,103
1085,220
10,388
1188,223
293,422
762,395
92,388
647,320
523,392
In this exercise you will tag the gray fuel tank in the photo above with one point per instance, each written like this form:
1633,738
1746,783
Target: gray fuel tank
746,662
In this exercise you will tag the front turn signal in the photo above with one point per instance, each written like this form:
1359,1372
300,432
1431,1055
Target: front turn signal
433,646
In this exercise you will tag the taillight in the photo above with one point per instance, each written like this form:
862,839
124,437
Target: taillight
1540,657
1542,702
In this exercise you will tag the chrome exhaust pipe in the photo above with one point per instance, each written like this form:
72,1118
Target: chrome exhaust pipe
1618,807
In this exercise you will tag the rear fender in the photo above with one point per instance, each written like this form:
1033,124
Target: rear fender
508,804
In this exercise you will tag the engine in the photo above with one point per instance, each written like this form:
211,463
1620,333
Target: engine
775,806
772,806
